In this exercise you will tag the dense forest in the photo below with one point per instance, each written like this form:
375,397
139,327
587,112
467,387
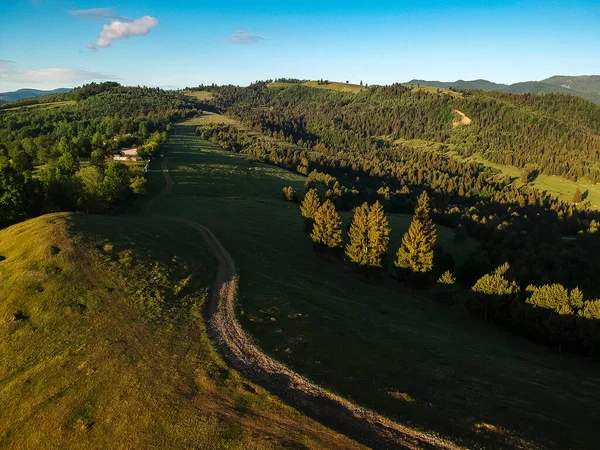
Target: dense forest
347,143
534,269
56,151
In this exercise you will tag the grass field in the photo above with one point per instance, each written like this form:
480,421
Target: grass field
404,355
434,90
44,105
556,185
563,188
200,95
333,86
82,367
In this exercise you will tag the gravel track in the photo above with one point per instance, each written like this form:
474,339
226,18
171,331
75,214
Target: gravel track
365,427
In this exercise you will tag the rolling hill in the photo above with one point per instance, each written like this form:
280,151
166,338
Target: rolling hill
97,349
587,86
29,93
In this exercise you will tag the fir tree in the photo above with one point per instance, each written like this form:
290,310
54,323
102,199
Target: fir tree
577,196
357,249
309,207
378,235
327,230
416,252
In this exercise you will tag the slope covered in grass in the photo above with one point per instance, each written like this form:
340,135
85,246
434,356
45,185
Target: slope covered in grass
102,344
399,352
330,85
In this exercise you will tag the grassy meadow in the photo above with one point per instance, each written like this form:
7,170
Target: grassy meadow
44,105
332,85
561,187
396,351
84,365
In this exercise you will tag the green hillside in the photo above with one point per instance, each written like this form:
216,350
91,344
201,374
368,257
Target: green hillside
584,86
103,345
329,85
388,348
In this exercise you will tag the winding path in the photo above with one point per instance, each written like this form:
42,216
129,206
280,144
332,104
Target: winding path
231,340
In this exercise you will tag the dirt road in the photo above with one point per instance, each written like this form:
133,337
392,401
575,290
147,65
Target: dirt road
231,340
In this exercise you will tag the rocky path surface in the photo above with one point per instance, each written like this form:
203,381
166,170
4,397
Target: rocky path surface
242,354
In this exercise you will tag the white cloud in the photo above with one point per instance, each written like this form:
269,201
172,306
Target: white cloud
101,13
244,37
60,75
8,72
123,30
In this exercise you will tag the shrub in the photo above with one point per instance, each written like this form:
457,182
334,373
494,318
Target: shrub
289,194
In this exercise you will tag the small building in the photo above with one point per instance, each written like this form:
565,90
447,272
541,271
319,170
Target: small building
127,154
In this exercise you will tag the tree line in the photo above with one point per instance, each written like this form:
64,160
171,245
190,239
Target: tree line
550,314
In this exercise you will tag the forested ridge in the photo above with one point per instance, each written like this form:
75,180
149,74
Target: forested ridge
56,151
346,142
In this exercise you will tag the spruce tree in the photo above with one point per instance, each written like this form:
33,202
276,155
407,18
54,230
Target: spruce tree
416,252
578,196
327,230
309,207
357,250
378,235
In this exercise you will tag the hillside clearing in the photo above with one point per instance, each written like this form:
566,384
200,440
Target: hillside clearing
435,90
200,95
43,105
332,85
461,119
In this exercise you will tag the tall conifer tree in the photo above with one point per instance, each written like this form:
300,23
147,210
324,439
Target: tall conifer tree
577,196
416,252
357,249
378,235
327,230
309,207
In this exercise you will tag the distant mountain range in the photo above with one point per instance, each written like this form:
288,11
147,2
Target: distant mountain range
29,93
587,86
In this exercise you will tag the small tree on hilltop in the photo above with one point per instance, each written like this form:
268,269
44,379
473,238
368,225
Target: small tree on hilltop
357,249
378,235
327,230
577,196
415,255
309,207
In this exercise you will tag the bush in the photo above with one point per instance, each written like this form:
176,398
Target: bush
289,194
445,288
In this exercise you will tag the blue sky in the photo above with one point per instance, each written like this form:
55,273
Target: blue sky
55,43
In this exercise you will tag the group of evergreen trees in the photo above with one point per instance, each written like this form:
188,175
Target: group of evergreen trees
550,314
368,235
